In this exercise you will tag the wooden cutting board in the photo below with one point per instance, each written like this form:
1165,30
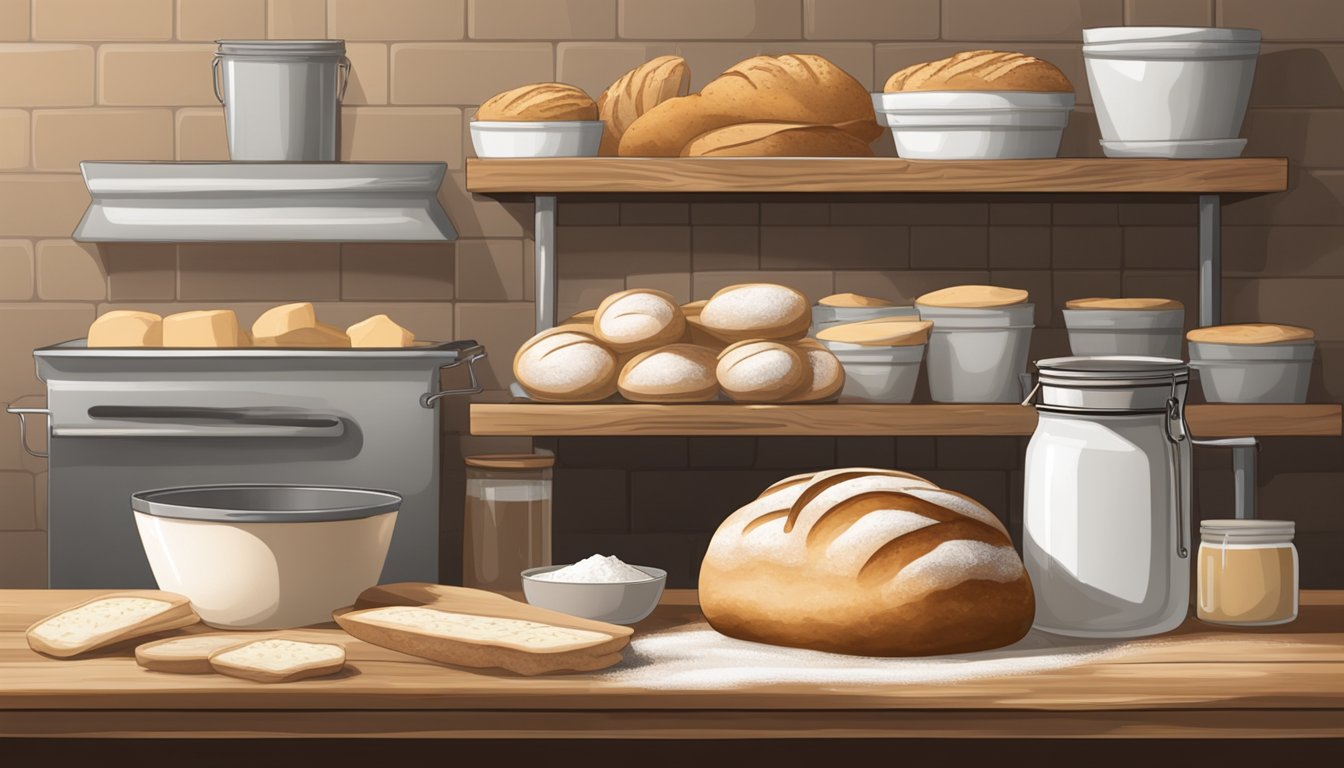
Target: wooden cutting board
597,654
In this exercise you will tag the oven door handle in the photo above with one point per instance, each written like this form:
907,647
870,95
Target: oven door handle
179,421
22,413
470,356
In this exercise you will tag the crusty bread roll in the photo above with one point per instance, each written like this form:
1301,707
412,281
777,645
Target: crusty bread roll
1128,303
1251,333
763,89
638,91
638,319
565,365
538,103
981,71
761,371
756,311
973,297
853,300
696,333
777,140
858,561
676,373
825,377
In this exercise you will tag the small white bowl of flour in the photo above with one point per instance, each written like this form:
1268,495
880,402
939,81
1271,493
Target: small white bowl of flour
600,587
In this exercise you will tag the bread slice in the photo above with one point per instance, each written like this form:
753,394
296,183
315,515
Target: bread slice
277,660
109,619
469,640
188,655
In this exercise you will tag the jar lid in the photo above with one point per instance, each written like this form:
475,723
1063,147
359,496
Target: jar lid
1251,333
281,48
1123,304
511,461
1241,530
1112,369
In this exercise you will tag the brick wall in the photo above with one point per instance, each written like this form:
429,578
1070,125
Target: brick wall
129,79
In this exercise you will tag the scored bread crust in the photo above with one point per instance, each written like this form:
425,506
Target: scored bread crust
188,655
480,655
636,92
777,140
598,387
726,324
179,614
539,102
825,376
866,562
982,70
768,389
793,88
300,671
669,332
698,390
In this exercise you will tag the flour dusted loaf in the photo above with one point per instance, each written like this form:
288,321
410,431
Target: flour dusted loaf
676,373
763,89
638,91
541,102
761,371
981,71
638,319
110,619
866,562
566,365
825,375
756,311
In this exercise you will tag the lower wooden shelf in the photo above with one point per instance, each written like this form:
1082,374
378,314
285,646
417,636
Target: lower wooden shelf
614,419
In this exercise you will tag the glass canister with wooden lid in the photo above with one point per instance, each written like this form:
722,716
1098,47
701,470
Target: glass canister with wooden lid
508,519
1248,572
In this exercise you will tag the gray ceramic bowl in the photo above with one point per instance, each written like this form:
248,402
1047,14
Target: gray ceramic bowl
622,602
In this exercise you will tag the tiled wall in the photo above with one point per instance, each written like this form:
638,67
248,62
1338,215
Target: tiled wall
129,79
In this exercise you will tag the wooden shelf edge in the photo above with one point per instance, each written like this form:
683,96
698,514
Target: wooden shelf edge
862,419
595,175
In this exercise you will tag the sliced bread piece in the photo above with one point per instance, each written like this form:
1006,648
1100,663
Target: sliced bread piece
468,640
188,655
110,619
277,660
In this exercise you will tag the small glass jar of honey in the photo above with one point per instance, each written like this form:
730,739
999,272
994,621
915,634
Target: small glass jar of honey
1248,572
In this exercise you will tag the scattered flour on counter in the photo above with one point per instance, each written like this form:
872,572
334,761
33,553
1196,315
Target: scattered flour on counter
698,658
596,570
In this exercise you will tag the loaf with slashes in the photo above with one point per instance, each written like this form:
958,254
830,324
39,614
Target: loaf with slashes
868,562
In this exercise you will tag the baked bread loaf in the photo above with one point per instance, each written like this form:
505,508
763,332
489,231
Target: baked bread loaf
974,297
565,365
677,373
827,375
777,140
539,103
379,331
756,311
1129,303
981,71
866,562
638,319
638,91
211,328
761,371
1251,333
126,328
792,88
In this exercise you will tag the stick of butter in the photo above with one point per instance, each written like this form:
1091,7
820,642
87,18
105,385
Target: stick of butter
126,328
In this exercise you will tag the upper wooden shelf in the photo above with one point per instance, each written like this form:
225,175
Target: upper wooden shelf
830,419
551,176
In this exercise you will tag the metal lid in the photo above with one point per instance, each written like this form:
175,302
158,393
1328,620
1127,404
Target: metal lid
270,48
264,503
1112,370
512,461
1170,35
1247,531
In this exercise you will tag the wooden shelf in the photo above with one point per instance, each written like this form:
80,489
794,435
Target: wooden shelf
550,176
542,420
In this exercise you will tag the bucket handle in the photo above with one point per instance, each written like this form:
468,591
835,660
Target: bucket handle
344,65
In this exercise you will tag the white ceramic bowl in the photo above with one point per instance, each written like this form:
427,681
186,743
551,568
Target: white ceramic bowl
1165,84
1253,373
621,602
976,125
878,374
1141,332
557,138
265,556
978,355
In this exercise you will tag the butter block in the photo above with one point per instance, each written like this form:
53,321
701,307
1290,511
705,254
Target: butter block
320,335
280,320
379,331
126,328
202,328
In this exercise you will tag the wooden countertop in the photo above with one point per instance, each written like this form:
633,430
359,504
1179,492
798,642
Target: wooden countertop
1198,682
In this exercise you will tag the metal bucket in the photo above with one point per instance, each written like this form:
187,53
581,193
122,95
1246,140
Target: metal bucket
281,97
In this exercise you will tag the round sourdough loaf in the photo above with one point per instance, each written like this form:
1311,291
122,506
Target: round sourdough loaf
827,374
866,562
981,71
638,91
756,311
541,102
761,371
565,365
638,319
677,373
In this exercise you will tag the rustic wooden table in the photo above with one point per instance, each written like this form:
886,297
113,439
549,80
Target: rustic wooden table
1199,682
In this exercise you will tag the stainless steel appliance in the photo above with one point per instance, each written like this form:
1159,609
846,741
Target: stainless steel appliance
128,420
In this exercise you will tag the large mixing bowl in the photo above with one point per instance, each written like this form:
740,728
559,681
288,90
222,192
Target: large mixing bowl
265,556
